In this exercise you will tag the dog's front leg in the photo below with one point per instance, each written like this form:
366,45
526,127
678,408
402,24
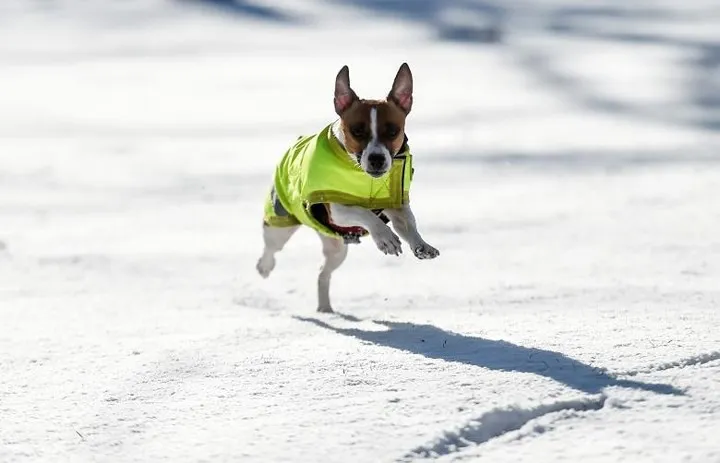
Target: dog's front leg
353,216
403,221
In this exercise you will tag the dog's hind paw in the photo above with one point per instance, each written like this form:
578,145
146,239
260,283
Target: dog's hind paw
425,251
325,309
265,266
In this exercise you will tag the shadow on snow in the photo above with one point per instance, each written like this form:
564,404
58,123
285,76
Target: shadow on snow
435,343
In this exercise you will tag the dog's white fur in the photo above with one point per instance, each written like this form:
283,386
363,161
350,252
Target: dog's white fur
335,250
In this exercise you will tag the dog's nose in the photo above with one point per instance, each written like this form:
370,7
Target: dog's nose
376,161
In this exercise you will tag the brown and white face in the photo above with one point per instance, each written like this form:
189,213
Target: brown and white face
374,130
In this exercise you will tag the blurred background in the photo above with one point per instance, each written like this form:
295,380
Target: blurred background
501,80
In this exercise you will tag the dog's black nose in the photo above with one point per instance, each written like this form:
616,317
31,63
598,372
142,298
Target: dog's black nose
376,161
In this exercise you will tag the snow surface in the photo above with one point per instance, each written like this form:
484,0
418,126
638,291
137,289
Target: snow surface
569,174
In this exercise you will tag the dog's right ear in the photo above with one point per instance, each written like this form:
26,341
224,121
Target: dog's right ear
344,95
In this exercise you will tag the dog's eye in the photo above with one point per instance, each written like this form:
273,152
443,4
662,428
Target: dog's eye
391,131
358,131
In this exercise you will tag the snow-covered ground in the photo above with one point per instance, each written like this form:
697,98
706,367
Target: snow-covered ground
569,174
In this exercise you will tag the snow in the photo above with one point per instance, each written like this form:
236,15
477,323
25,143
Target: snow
568,174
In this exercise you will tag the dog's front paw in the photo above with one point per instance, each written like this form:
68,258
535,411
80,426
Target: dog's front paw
387,241
425,251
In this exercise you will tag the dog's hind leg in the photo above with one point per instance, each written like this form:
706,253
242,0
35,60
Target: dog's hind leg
335,252
275,239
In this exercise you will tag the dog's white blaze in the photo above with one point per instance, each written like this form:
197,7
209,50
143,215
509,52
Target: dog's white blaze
373,125
374,146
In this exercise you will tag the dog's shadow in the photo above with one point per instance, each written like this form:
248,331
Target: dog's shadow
433,342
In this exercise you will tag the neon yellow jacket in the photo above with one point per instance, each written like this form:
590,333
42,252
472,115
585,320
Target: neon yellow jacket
317,170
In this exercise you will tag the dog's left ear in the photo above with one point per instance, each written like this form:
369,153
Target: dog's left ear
401,93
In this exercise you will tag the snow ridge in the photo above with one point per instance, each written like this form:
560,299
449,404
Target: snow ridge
699,359
497,422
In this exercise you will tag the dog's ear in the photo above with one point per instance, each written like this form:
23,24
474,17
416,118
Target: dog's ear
344,95
402,89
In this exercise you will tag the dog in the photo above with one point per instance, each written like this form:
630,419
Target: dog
347,181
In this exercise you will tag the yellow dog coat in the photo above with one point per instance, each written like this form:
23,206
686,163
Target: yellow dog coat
316,170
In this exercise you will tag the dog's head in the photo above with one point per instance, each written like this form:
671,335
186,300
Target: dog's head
374,130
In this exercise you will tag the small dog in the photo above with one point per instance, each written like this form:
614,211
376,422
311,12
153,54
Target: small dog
347,181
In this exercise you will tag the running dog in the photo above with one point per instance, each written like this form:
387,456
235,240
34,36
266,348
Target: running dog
349,180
